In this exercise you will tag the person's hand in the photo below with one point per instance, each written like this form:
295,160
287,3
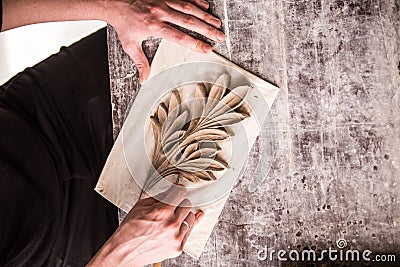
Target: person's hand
151,232
134,21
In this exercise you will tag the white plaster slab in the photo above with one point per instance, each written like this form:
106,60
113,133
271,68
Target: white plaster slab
116,182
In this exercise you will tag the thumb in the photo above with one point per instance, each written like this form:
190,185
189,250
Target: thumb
136,53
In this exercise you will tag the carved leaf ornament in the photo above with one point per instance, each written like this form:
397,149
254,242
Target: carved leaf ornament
188,134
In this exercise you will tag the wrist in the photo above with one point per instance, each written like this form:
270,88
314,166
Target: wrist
118,252
111,11
91,10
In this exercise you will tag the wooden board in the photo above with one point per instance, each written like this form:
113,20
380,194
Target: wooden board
336,171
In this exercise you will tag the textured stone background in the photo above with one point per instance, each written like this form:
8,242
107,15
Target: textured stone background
337,127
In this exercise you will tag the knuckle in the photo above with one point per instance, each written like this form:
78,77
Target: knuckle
161,209
189,20
174,225
207,30
215,32
155,27
155,9
181,38
186,7
208,17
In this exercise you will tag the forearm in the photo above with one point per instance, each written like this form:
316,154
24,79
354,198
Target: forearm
23,12
114,253
134,21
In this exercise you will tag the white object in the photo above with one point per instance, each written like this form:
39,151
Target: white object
28,45
116,182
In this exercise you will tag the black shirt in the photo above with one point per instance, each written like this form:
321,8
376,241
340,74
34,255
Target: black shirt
55,135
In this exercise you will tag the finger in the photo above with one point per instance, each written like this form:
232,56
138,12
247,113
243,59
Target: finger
183,210
194,24
198,217
170,33
185,229
201,3
134,50
191,10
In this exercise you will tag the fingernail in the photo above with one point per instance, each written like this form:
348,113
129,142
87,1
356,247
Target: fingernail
206,5
207,48
220,36
216,22
199,215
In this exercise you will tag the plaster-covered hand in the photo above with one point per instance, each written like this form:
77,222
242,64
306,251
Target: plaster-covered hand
134,20
138,20
151,232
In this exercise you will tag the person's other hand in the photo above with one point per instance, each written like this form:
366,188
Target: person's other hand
151,232
134,21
